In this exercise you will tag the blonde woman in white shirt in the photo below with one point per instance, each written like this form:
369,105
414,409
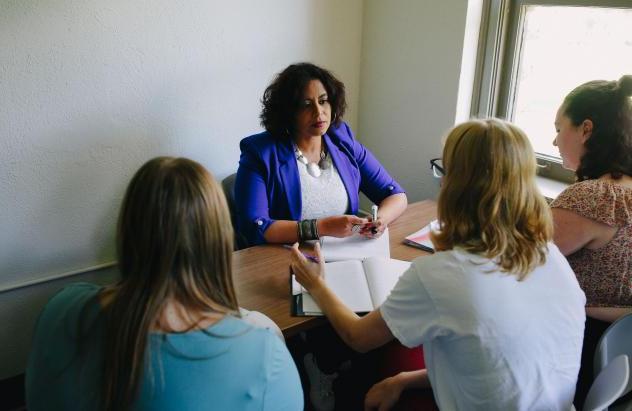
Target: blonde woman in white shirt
497,309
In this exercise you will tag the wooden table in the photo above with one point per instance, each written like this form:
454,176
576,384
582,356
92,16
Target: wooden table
261,273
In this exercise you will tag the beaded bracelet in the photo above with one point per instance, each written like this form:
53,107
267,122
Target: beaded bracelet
315,229
307,230
299,231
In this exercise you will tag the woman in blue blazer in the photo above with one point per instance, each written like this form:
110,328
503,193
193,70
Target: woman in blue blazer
300,178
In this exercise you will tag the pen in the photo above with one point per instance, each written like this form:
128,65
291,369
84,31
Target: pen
309,257
374,217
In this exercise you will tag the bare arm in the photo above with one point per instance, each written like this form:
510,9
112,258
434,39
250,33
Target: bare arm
392,207
385,394
389,209
574,232
608,314
360,333
281,231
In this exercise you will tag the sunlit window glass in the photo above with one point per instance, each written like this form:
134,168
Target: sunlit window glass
563,47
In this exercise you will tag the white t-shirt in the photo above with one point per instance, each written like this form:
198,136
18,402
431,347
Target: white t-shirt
492,342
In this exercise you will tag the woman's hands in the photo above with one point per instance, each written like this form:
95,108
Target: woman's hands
346,225
389,209
309,274
384,395
341,225
373,229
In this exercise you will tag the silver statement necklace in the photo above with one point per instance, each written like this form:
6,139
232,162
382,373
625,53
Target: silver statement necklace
313,169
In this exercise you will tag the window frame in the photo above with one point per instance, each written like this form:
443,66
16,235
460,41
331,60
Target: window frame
500,38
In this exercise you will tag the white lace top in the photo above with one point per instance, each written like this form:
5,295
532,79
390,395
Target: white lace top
322,196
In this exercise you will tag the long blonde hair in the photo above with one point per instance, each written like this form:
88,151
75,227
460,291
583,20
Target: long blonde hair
489,203
174,241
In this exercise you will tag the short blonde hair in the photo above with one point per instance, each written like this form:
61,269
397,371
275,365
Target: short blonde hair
489,203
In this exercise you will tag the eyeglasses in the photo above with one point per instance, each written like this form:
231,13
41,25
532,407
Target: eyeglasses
436,164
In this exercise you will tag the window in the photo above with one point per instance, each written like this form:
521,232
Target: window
534,52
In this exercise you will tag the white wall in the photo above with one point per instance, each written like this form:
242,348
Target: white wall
92,89
411,63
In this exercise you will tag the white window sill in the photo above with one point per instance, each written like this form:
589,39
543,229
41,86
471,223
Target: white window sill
550,188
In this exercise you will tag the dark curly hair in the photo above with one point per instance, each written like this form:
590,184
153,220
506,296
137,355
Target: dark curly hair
281,100
608,105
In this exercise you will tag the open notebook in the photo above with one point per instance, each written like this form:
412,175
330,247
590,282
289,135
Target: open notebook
355,247
362,285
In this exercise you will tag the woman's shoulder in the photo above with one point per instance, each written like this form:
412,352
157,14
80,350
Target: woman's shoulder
441,262
66,309
341,137
244,340
589,189
70,299
461,261
266,146
232,326
263,353
341,132
598,199
261,139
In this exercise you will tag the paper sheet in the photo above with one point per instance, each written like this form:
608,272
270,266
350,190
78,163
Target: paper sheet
355,247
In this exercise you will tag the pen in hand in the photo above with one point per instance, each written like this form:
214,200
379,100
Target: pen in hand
308,256
374,217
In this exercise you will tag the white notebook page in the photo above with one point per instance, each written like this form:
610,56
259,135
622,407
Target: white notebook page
347,281
382,275
355,247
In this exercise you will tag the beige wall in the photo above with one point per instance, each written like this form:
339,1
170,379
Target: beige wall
411,65
92,89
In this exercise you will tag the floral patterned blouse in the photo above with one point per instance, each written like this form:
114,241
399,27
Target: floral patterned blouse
605,274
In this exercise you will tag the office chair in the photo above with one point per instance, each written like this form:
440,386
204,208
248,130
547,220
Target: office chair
228,185
609,385
614,342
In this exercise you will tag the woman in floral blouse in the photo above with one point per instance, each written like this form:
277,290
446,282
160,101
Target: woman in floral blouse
593,217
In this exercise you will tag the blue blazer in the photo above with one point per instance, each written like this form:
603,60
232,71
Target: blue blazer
268,186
